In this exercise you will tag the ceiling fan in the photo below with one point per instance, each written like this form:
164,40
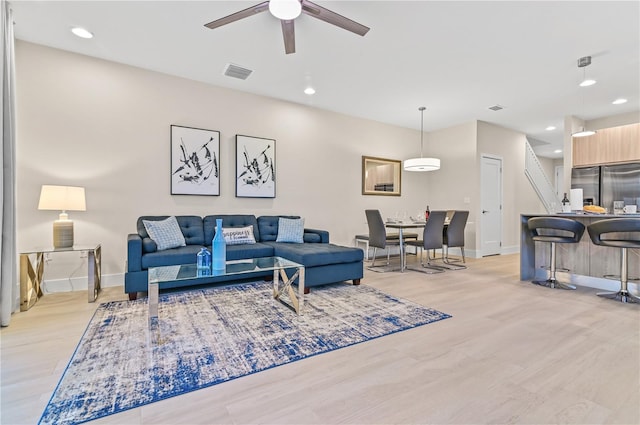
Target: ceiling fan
287,11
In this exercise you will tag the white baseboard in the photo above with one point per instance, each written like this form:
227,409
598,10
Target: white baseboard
80,283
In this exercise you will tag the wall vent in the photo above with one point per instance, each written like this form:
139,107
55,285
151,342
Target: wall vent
496,107
236,71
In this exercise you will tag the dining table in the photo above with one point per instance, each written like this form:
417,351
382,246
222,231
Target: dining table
401,226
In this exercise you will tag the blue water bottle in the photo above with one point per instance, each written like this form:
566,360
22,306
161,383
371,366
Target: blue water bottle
219,248
203,262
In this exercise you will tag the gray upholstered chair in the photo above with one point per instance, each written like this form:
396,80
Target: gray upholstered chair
555,230
378,235
379,238
454,238
431,239
615,225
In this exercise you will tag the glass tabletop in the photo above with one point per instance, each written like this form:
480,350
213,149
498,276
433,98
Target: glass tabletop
233,267
50,249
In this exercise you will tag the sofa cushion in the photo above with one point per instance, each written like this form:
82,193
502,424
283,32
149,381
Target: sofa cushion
268,225
317,254
228,220
182,255
190,225
165,233
311,237
290,230
241,252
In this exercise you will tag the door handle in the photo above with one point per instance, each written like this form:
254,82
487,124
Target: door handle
484,211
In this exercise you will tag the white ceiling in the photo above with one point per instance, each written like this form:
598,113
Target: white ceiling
455,58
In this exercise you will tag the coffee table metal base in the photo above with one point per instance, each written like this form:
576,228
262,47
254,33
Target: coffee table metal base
297,303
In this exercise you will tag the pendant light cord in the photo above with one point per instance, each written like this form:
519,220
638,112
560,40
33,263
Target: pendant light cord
421,109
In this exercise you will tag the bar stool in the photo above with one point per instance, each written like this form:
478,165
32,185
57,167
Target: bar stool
544,224
615,225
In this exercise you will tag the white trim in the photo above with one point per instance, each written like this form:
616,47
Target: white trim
80,283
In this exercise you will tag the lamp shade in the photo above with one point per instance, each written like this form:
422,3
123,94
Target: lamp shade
285,9
422,164
62,198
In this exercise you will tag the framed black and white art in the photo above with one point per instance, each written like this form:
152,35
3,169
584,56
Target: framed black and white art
195,161
255,167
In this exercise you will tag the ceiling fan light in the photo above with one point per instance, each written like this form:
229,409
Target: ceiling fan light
582,132
285,9
422,164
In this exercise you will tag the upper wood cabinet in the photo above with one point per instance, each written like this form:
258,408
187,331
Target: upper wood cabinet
608,146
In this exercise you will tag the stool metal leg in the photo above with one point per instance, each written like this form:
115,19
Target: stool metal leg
623,294
552,282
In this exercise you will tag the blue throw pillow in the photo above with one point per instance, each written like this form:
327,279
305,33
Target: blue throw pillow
165,233
290,230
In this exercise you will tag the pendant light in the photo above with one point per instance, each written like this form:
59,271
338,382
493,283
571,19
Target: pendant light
583,62
422,164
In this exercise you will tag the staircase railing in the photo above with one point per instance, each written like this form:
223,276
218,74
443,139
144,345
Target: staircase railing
540,182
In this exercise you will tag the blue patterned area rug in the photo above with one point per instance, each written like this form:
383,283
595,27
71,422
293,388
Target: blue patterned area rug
207,336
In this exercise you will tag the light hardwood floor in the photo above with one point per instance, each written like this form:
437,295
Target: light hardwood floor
512,353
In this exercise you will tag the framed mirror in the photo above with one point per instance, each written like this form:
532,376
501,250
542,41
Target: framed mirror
381,176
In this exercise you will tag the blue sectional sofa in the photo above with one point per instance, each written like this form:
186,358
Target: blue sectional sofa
324,262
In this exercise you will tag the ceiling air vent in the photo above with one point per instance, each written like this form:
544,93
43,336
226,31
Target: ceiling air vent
236,71
496,107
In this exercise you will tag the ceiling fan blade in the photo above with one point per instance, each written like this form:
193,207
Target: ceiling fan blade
253,10
326,15
289,34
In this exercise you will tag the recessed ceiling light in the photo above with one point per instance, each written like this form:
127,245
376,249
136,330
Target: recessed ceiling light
550,128
81,32
619,101
558,151
587,83
310,91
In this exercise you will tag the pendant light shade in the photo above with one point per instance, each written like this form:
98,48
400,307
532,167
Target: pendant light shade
582,132
422,164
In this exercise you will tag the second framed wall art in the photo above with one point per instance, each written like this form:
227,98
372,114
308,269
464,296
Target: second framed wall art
255,167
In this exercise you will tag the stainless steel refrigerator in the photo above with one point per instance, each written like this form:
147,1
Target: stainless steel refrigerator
604,184
587,179
620,183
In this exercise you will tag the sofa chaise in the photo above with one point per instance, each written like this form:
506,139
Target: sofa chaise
324,262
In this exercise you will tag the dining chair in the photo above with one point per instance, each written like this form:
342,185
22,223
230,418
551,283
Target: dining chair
431,239
378,237
454,238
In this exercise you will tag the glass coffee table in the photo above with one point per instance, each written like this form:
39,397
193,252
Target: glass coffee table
239,268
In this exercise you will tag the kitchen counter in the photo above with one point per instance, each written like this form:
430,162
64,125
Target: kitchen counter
587,263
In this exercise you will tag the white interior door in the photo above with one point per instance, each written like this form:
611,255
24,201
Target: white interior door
491,203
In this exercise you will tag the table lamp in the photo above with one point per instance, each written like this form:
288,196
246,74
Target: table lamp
63,198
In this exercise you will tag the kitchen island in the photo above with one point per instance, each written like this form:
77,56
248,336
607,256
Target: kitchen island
587,263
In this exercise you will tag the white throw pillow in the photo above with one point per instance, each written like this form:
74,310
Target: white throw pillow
238,235
165,233
290,230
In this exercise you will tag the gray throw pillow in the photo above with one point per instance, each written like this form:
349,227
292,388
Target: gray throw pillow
165,233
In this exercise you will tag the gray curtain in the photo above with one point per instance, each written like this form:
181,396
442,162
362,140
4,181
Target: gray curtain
8,254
